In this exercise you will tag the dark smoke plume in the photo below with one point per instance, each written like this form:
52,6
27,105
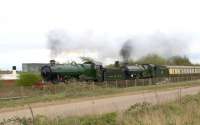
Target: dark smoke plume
56,40
126,50
104,48
61,42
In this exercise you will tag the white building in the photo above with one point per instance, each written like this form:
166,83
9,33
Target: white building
9,75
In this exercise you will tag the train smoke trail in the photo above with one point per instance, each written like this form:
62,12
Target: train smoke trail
62,43
126,50
55,43
107,48
167,45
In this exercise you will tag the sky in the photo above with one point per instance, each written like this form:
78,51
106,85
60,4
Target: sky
94,27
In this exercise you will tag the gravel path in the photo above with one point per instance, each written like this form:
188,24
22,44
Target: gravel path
98,106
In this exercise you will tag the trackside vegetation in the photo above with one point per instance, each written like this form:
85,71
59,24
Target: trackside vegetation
76,92
184,112
28,79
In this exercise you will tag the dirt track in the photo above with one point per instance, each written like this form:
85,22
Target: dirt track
98,106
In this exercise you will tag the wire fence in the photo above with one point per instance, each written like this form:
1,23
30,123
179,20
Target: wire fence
79,89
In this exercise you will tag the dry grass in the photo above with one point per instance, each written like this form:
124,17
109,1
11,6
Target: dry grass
174,113
77,91
186,112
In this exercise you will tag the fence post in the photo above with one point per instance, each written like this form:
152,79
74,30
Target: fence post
54,89
93,85
135,82
21,91
126,83
106,83
180,95
149,81
116,83
143,80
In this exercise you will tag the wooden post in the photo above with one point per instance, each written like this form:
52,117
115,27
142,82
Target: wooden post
135,82
21,91
107,84
54,89
93,85
143,80
149,81
116,83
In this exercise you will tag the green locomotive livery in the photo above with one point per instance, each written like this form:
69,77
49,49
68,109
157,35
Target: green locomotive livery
96,72
63,72
136,72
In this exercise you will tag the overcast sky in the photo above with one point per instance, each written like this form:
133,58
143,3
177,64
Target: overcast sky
25,24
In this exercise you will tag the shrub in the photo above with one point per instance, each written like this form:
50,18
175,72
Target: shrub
28,79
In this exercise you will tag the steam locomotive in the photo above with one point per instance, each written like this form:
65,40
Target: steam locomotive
92,71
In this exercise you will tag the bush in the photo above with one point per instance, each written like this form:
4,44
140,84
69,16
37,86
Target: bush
28,79
152,59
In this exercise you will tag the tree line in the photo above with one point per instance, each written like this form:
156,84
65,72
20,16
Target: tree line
157,59
160,60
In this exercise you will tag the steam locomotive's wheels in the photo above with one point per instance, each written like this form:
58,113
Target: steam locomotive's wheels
55,82
82,78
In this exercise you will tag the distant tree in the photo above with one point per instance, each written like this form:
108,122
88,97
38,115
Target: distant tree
110,66
179,60
159,60
87,59
152,59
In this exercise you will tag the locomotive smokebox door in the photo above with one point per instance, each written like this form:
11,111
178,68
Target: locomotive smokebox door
52,62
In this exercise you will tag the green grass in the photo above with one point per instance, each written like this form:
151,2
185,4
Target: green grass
184,112
80,91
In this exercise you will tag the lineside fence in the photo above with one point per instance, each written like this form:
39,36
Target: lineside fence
84,89
148,81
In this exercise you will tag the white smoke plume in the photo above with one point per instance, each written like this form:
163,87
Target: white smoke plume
167,45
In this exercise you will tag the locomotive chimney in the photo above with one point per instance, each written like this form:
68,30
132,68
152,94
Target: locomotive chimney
116,63
52,62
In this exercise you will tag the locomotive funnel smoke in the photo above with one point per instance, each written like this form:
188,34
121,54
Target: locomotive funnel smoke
60,43
104,48
166,45
55,42
126,50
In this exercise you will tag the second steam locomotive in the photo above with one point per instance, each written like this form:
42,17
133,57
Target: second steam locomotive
92,71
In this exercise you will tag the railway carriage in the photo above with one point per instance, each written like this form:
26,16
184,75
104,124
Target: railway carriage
96,72
183,70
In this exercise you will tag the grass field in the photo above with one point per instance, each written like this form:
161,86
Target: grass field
75,92
180,112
